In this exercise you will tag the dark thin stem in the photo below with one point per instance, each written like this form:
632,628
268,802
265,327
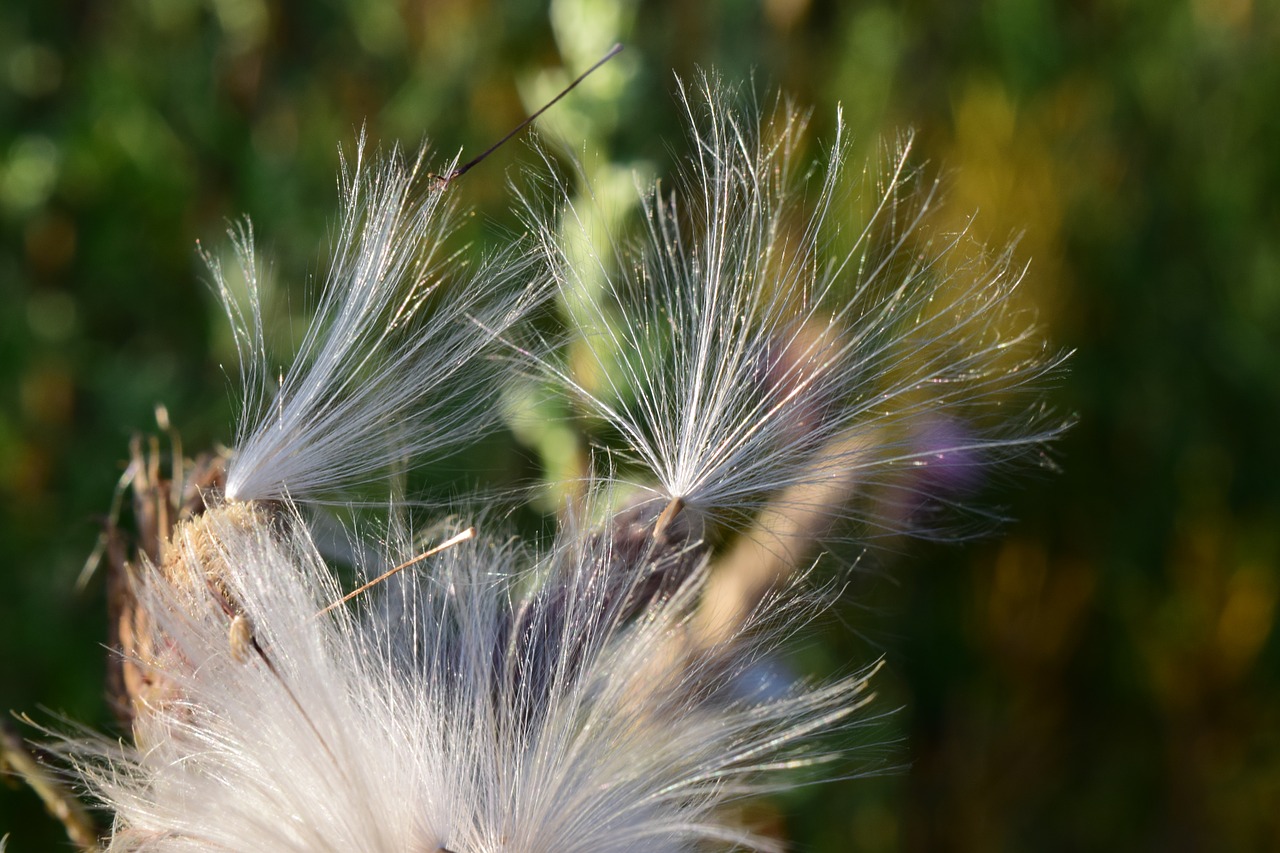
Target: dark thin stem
467,166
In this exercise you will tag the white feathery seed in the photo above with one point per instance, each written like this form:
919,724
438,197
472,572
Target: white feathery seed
393,353
741,354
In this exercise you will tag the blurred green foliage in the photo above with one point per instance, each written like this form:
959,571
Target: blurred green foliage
1104,676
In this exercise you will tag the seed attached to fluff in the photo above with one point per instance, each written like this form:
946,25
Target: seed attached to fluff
738,357
480,694
240,638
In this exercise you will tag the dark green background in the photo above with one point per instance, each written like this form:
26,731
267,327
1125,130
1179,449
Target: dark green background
1102,676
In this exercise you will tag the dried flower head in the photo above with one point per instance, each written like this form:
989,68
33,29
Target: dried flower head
490,701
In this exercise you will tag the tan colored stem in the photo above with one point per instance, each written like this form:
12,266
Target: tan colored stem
784,534
56,798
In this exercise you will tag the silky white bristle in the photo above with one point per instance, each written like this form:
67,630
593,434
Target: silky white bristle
589,698
741,355
467,705
391,367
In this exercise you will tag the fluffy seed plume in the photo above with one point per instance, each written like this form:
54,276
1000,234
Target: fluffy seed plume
776,330
487,702
397,345
480,696
394,351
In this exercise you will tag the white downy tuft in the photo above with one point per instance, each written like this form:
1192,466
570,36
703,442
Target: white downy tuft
391,367
463,706
492,700
748,352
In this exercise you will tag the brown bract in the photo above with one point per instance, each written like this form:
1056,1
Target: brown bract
175,542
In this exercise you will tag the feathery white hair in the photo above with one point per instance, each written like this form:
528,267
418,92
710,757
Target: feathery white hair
494,700
394,350
465,707
742,356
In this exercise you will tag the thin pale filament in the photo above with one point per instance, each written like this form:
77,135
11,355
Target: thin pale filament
469,533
